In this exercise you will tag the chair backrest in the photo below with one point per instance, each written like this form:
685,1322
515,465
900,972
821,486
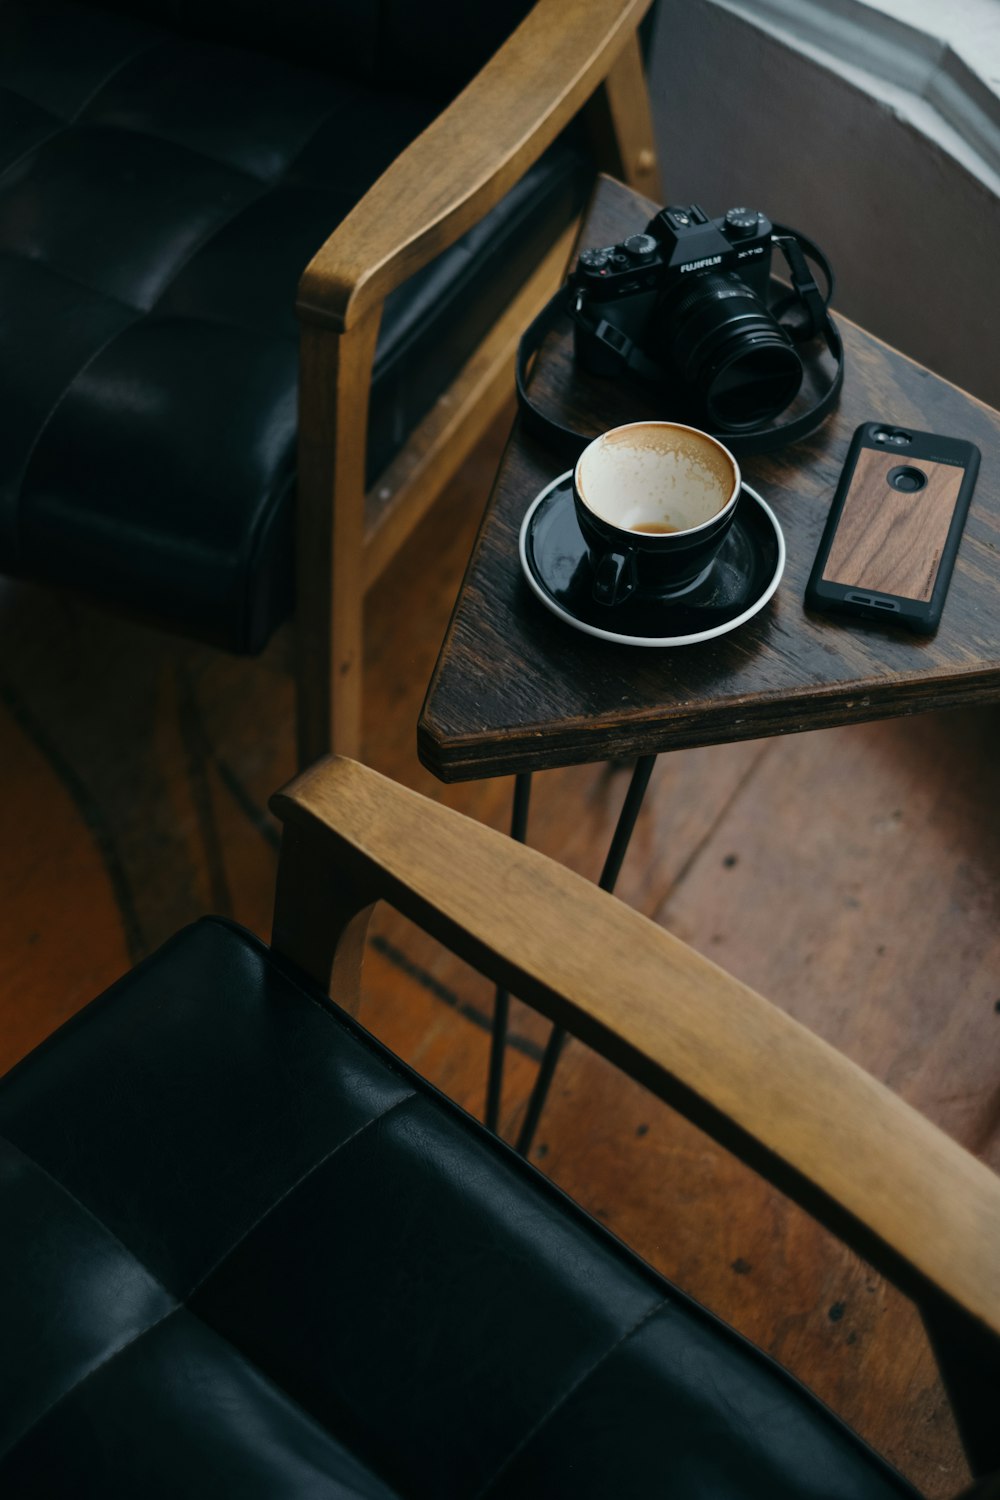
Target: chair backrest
427,49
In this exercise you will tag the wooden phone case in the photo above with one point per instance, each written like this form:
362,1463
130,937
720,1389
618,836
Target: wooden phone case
888,553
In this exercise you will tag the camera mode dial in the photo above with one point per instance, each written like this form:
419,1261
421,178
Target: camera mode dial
741,223
594,260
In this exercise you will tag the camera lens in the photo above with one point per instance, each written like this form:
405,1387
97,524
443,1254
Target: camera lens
724,344
907,478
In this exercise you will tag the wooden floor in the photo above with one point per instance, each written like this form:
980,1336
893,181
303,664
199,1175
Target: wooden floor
850,875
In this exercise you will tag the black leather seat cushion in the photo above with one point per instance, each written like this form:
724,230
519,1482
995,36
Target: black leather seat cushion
160,195
245,1252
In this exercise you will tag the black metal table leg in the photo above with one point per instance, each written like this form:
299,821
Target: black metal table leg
609,876
501,1003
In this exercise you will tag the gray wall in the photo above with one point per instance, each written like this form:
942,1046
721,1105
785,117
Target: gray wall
913,237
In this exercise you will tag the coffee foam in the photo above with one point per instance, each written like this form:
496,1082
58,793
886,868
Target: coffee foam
655,475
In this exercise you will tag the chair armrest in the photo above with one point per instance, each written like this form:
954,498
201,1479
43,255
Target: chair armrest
893,1185
468,158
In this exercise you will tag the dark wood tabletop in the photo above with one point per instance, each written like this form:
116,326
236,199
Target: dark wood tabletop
516,689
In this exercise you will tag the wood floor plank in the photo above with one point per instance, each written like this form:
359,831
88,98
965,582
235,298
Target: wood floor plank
856,881
61,941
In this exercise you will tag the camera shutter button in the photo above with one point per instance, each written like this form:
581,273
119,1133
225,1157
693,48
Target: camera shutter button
594,260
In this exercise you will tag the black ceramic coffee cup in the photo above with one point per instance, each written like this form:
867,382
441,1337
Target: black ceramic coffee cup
654,501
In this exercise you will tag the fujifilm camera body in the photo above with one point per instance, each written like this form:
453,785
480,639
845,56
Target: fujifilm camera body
686,302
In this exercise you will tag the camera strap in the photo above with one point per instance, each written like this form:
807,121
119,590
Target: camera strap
813,320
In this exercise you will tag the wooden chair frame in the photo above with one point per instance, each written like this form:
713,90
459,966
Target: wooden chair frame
566,55
893,1186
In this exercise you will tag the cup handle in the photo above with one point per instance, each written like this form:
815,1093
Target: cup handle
615,577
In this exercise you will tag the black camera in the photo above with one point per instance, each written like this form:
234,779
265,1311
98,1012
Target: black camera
686,303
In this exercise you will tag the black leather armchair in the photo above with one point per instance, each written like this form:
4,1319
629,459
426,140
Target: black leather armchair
168,171
245,1252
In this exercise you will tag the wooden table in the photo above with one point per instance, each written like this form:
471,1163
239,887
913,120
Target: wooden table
517,690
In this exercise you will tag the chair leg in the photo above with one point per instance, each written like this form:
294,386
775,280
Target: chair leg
334,382
621,125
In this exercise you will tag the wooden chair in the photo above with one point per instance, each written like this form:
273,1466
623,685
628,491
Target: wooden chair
88,303
247,1249
563,57
890,1184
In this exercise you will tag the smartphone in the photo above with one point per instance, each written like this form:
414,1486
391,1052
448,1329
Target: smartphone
893,531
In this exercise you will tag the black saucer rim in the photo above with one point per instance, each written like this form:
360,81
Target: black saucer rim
563,483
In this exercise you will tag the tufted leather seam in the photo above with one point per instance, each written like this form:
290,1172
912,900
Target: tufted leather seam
208,320
273,180
93,1371
33,147
181,1299
209,317
119,68
15,253
565,1396
173,39
281,179
268,185
50,414
88,1213
133,1258
6,88
289,1191
181,1303
150,314
58,125
207,238
96,354
176,145
240,1357
66,120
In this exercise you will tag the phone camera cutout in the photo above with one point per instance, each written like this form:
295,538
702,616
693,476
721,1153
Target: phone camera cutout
894,436
908,478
